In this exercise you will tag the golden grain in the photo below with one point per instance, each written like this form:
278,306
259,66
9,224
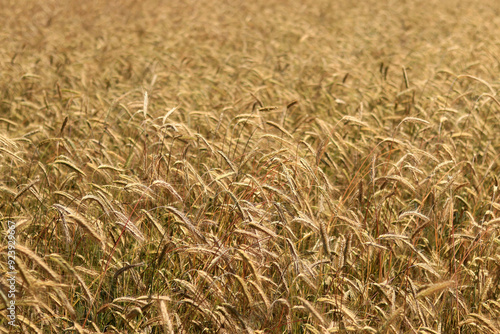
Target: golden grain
214,171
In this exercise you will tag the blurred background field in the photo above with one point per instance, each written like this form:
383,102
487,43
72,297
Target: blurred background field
264,167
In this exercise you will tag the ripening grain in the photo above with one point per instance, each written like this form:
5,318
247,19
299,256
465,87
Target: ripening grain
251,167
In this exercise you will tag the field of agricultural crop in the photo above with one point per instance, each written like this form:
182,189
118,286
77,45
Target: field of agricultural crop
267,166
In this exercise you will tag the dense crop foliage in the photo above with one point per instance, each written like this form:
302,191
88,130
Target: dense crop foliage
251,166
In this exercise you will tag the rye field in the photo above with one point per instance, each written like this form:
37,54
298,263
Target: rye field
267,166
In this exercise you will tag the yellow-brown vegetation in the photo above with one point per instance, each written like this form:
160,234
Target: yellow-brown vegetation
251,166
